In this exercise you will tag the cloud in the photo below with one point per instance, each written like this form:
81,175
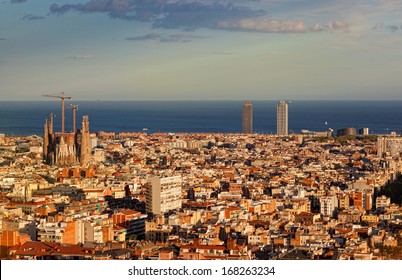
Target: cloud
330,26
17,1
264,25
60,10
80,56
378,25
146,37
190,15
193,15
174,38
337,25
317,28
32,17
393,27
186,15
3,39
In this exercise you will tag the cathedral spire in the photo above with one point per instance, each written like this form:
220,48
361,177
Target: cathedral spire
85,155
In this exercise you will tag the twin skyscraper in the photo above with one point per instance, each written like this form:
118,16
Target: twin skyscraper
281,118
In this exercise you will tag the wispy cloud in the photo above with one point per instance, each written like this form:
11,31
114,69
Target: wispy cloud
3,39
378,25
80,56
17,1
150,36
32,17
337,25
185,15
184,38
393,27
264,25
174,38
330,26
190,15
317,27
390,27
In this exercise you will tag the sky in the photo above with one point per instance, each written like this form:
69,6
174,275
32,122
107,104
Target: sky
201,50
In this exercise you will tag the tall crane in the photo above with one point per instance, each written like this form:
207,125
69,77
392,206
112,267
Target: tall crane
75,109
62,97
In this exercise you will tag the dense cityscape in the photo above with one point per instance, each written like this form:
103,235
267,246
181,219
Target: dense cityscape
200,196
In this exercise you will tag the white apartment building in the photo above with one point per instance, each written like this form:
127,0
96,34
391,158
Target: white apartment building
382,202
328,205
163,194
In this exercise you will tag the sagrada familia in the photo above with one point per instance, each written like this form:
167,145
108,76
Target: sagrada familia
67,148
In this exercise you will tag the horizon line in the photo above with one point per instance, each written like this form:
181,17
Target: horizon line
198,100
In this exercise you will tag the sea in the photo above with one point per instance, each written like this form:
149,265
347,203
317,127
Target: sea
19,118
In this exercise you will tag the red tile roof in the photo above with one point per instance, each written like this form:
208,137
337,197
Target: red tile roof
35,248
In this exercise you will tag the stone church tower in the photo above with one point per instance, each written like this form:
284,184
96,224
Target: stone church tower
85,149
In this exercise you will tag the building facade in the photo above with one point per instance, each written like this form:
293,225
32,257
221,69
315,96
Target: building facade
163,194
382,202
247,117
364,131
348,131
282,118
133,223
389,147
67,148
328,205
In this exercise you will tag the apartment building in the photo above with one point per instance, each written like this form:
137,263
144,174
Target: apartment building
163,194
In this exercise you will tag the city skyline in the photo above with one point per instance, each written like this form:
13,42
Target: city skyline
208,50
26,118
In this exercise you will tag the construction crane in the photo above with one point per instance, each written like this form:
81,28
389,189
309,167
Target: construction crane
62,97
75,109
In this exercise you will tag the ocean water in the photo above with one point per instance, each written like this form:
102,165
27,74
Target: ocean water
27,118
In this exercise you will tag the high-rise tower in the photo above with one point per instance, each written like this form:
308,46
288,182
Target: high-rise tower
247,117
282,118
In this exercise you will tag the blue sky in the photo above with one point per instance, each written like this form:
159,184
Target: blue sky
201,50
